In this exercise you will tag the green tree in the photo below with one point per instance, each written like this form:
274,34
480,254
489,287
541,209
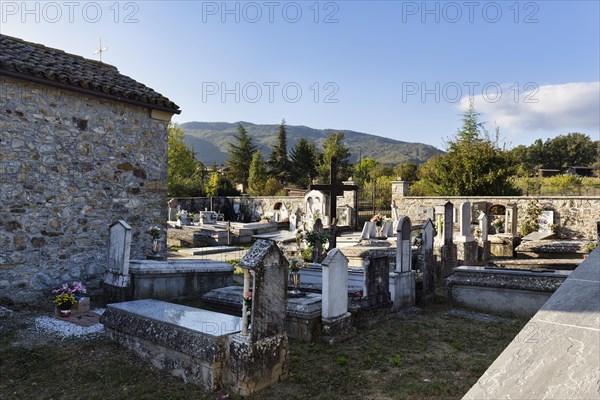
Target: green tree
273,188
473,166
240,156
334,146
186,175
279,164
363,169
304,158
258,174
571,149
407,171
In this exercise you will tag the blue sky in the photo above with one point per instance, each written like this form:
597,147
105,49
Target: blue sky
399,69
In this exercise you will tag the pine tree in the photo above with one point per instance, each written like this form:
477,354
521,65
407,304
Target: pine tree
258,174
303,159
240,156
279,164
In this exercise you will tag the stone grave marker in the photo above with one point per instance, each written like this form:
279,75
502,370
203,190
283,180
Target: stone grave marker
117,280
388,229
336,320
376,289
366,232
545,220
511,219
395,214
428,260
174,208
476,208
425,213
465,222
402,280
403,245
448,251
448,223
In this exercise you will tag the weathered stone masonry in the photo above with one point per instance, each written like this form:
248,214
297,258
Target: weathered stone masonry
70,165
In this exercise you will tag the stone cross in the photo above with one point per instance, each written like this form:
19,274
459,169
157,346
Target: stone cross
267,265
465,222
483,226
395,215
335,285
334,190
448,225
403,245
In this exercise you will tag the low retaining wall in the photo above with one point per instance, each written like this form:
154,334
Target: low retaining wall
512,291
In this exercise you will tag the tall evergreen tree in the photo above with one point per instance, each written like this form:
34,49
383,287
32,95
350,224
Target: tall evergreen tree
334,146
258,174
304,159
279,164
186,175
473,166
240,156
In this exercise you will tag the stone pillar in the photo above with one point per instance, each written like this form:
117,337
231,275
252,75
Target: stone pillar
335,318
511,219
400,188
352,199
117,280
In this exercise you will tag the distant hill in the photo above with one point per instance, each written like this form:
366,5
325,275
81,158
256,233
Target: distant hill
209,140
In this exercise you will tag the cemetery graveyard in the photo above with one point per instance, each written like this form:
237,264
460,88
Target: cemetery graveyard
250,296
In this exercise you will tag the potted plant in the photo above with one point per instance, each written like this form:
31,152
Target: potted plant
71,298
316,240
64,302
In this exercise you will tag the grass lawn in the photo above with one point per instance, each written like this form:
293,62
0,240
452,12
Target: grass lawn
425,355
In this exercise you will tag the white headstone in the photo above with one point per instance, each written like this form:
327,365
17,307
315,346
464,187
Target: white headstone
388,229
293,222
373,231
366,232
335,284
465,222
483,225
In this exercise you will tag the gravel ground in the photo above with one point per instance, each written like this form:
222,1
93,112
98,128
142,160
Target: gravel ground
36,328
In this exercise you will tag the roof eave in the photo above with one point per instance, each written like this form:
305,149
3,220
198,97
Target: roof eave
89,92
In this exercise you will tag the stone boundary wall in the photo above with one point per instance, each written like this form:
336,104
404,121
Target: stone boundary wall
252,207
575,215
71,165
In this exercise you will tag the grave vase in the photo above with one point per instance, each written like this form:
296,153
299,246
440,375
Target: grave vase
379,230
156,246
295,279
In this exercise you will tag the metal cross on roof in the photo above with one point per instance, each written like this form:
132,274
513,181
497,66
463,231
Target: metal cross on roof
101,50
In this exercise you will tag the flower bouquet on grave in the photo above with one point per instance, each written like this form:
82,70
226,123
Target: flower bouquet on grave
378,219
247,302
295,265
77,291
64,302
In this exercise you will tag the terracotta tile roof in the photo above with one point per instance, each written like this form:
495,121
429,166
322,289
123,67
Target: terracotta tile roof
34,62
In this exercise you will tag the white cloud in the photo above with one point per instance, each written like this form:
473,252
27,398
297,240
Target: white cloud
540,111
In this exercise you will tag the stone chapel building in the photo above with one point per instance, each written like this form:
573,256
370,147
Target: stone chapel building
81,146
